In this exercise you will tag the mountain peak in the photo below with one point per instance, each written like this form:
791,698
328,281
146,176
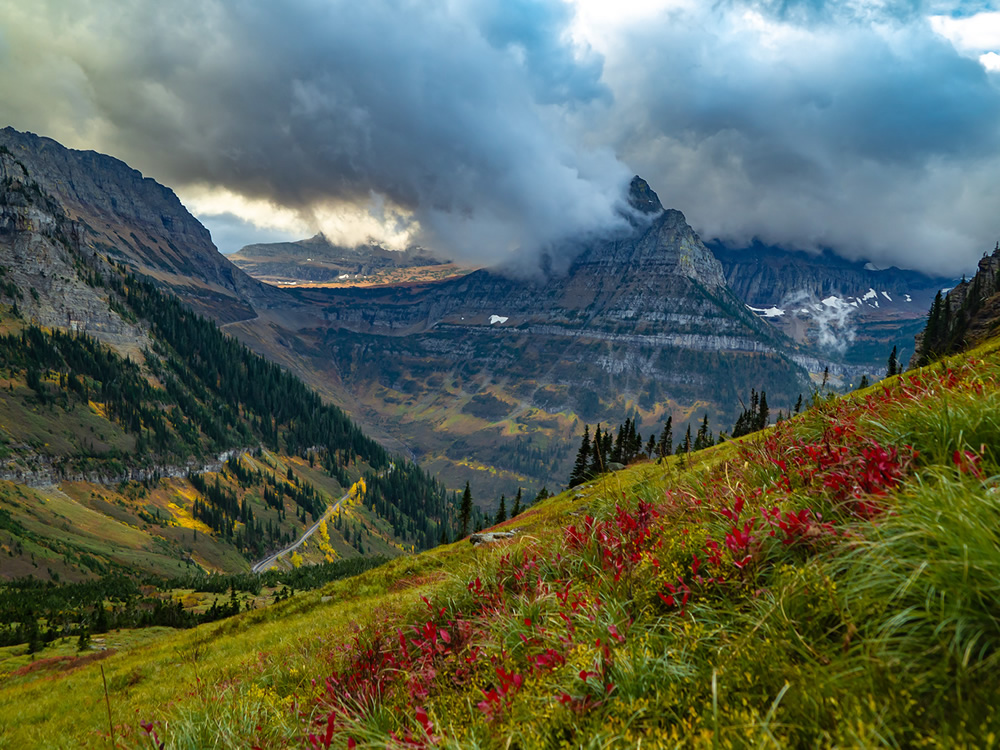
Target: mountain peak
642,198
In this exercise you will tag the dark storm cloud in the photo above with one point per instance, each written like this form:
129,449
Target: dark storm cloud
853,125
450,112
534,31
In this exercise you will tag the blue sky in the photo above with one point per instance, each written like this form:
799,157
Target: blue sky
494,127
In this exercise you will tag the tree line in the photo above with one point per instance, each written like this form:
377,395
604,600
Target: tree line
38,612
606,450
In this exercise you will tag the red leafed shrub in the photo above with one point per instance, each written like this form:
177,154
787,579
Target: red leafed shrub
620,542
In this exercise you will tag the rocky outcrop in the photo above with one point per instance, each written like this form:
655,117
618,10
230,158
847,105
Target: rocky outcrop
39,470
967,315
489,537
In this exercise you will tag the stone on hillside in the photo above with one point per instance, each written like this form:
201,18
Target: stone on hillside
488,537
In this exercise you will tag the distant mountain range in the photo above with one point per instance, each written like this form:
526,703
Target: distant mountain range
318,260
494,370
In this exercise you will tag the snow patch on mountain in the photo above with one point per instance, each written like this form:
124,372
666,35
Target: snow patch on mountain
831,316
835,301
767,312
494,319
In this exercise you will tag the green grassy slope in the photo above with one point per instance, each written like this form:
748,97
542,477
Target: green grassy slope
830,582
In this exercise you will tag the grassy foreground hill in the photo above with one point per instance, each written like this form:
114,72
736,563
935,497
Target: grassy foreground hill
832,581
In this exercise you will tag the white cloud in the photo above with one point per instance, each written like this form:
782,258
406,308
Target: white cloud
971,35
990,61
266,214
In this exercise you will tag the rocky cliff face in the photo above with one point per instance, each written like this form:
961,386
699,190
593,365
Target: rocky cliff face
134,219
763,276
851,312
40,250
968,314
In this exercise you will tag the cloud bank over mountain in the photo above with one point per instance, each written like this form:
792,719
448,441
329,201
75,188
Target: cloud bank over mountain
484,128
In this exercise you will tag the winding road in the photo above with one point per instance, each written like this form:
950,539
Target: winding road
270,560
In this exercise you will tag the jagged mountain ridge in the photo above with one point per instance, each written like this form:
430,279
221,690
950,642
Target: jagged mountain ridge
658,280
138,221
41,260
491,370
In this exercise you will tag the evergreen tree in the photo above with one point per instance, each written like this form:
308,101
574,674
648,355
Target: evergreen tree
636,447
763,415
516,510
701,439
955,341
466,510
542,494
34,636
597,460
864,383
933,332
579,474
826,375
651,445
501,511
798,404
618,452
666,444
685,445
893,366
